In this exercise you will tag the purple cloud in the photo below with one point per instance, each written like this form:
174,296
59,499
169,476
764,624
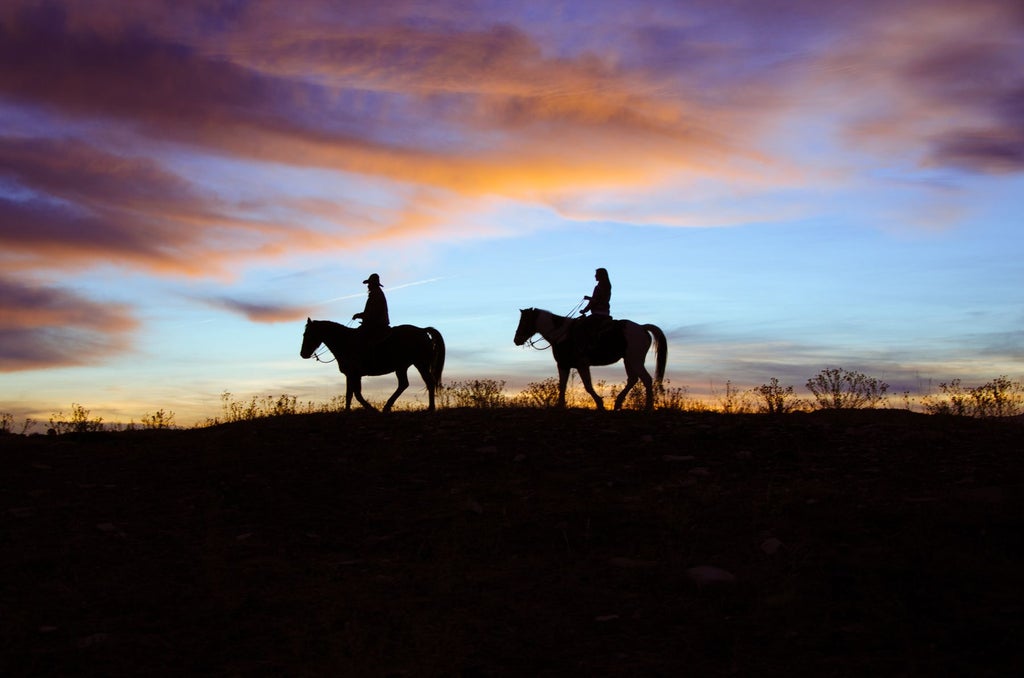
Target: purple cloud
259,312
43,327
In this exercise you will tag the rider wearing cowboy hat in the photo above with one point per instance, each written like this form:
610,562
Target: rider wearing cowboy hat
375,314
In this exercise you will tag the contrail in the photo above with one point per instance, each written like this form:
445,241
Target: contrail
418,282
389,289
347,296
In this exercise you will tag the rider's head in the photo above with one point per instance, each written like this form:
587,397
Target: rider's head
373,280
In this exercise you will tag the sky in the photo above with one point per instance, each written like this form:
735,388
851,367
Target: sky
782,186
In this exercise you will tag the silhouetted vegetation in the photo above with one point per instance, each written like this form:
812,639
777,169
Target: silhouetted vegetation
776,398
678,398
837,389
78,421
1000,397
263,406
831,389
161,419
733,400
539,394
478,393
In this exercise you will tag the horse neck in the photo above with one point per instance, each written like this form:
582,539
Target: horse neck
553,328
335,336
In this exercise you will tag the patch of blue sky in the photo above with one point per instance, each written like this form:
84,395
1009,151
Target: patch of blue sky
285,193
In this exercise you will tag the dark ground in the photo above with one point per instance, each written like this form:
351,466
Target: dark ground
517,543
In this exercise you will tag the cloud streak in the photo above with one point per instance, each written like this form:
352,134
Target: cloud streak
258,312
646,112
45,327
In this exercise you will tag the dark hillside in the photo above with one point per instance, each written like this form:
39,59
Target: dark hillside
517,542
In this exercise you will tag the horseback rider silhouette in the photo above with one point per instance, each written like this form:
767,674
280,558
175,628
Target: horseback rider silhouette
601,298
599,306
375,325
374,316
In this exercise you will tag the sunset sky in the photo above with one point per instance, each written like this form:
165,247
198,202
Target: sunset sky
781,186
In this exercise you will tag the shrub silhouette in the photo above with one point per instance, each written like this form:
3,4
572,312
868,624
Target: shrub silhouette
158,420
832,388
257,407
539,394
677,398
1000,397
838,389
76,422
732,401
479,393
777,399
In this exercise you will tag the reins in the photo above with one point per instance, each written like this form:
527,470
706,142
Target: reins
317,353
322,348
533,344
568,316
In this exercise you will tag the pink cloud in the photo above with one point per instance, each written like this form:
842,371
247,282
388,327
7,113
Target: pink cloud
446,108
259,312
45,327
940,81
77,205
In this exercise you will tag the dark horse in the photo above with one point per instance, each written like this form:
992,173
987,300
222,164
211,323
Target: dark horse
403,346
622,340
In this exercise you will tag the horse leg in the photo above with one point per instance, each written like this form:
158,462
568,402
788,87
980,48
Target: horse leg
589,386
403,383
357,390
645,379
563,379
636,352
630,381
431,385
348,393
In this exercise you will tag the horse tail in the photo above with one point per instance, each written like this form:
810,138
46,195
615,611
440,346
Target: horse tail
660,351
437,354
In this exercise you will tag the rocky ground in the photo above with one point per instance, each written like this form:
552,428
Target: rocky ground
516,542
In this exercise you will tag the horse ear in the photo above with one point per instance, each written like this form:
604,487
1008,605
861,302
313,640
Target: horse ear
308,320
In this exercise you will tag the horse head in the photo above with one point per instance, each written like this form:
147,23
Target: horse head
527,325
310,339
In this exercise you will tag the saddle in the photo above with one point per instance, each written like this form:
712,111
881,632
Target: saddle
373,336
371,339
591,333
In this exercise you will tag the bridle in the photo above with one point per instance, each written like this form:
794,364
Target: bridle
533,344
317,353
322,348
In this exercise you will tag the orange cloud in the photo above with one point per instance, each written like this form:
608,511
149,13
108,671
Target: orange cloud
447,112
499,82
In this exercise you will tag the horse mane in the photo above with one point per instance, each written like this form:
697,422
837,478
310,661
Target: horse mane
331,324
555,317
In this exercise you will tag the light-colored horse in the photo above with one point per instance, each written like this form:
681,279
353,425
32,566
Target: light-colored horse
622,340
